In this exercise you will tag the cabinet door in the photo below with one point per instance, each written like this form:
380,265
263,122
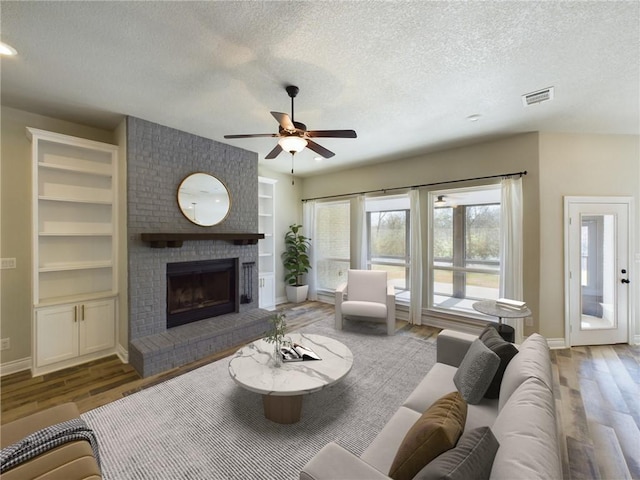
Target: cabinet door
97,326
267,292
56,334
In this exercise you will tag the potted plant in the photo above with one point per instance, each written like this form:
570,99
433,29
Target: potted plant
296,263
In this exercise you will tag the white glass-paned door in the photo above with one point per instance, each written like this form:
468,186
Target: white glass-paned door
598,261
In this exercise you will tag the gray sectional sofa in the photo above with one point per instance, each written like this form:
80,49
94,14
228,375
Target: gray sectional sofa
522,419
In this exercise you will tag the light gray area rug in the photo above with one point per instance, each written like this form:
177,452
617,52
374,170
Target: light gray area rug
201,425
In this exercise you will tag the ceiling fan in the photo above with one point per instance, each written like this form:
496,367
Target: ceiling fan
294,136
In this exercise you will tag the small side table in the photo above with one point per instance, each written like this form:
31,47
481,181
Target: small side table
489,307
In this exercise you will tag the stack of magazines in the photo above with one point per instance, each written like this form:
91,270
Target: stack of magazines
298,353
516,305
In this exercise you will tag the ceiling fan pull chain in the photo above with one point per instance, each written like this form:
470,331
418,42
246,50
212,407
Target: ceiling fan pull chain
292,176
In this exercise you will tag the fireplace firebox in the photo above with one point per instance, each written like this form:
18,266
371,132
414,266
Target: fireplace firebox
201,289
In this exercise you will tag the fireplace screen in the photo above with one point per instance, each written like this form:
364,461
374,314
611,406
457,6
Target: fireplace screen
198,290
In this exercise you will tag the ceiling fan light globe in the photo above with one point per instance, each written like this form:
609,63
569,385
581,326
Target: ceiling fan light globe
292,144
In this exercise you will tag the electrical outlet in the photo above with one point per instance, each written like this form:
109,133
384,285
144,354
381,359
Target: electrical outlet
5,344
528,322
8,263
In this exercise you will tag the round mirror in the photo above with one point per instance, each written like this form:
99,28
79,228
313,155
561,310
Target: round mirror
204,199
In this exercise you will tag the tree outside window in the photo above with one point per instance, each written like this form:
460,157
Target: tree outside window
465,254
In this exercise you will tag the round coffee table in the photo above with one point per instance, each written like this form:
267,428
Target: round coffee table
282,389
490,307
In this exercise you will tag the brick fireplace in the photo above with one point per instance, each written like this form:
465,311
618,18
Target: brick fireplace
158,159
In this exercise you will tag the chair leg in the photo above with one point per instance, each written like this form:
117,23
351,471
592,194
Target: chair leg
338,320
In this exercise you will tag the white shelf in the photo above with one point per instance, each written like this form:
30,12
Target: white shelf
47,302
74,200
105,172
63,267
75,234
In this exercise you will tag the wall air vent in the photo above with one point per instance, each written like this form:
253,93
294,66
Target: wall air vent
538,96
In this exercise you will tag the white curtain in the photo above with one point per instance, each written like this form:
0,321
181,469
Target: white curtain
360,221
511,254
309,226
415,308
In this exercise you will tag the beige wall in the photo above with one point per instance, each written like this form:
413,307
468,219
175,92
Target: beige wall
15,220
580,165
512,154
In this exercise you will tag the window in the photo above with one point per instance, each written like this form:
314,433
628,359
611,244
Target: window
388,240
332,244
465,248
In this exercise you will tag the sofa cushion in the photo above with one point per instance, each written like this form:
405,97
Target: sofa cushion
382,450
526,430
532,361
436,431
471,459
439,382
364,309
505,350
476,372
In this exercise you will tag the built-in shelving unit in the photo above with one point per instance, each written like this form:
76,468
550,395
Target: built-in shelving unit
74,249
266,248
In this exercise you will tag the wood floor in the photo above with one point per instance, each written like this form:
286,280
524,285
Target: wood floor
596,388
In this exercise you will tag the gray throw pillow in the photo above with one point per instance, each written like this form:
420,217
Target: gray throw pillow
505,350
476,371
471,459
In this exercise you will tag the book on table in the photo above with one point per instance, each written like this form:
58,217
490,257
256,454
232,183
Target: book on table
298,353
511,304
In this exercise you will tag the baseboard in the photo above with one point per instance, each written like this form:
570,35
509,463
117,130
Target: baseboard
15,366
556,343
123,353
635,340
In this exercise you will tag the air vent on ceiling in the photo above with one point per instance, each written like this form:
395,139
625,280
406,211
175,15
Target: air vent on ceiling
538,96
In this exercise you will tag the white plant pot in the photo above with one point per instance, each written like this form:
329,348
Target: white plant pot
297,294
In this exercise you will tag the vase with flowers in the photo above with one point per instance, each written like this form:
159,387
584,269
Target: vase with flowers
276,335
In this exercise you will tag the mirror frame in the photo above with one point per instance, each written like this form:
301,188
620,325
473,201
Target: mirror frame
214,218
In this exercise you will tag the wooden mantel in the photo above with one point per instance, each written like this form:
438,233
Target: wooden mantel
175,240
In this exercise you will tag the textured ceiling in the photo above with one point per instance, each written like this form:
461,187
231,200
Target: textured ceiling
404,75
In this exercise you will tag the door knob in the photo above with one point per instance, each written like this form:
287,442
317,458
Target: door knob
625,280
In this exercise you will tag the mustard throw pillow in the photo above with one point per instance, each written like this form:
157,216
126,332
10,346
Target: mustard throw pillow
435,432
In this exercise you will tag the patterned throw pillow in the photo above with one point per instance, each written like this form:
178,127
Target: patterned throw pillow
436,431
476,371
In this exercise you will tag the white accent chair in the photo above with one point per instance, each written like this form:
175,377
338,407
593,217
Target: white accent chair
368,295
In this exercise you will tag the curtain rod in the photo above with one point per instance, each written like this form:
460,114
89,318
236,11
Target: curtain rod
383,190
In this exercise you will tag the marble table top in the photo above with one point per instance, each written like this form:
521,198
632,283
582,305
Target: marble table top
489,307
252,367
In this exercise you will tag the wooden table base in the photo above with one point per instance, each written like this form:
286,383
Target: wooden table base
282,409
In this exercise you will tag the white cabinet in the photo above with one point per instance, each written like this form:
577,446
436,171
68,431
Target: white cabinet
66,332
74,249
266,246
267,291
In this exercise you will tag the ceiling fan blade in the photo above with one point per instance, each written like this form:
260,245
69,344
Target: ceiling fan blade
284,120
275,152
332,133
319,149
252,135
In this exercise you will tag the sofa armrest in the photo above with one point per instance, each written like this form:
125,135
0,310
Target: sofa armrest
452,346
333,462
